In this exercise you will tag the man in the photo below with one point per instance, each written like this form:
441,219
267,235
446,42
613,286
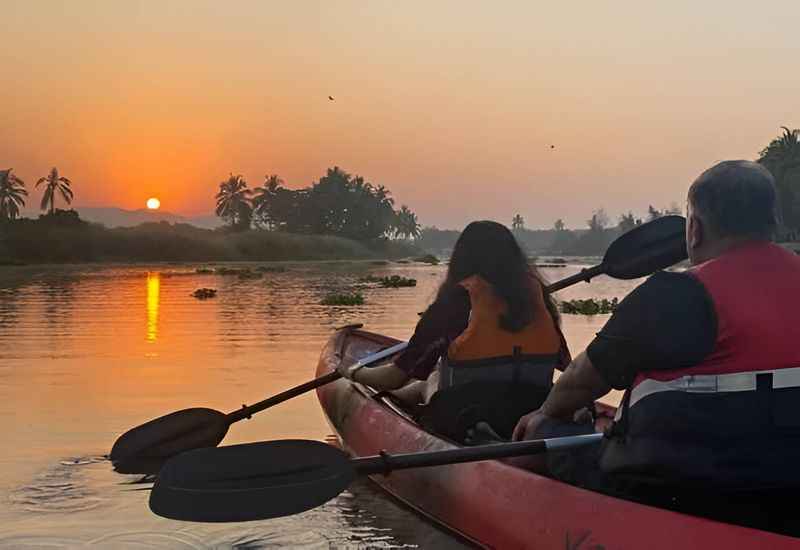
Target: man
709,359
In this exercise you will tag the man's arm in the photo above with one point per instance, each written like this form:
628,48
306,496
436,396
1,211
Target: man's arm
578,387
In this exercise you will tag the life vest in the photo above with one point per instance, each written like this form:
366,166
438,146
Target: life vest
486,348
729,417
493,375
755,290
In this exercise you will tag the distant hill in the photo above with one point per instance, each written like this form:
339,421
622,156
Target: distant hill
118,217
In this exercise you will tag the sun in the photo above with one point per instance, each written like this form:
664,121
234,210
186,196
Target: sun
153,203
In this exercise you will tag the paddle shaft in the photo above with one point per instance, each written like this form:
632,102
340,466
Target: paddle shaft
582,275
247,411
385,463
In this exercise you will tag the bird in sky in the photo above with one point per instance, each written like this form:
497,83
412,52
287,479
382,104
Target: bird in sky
330,97
552,147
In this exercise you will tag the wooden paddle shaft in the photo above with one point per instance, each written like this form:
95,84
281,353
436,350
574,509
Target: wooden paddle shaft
385,463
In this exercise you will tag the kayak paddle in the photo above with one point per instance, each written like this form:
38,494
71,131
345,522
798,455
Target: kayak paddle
143,449
641,251
280,478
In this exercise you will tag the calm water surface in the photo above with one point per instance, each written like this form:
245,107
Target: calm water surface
87,352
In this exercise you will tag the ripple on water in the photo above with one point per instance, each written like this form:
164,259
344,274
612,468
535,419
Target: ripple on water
61,488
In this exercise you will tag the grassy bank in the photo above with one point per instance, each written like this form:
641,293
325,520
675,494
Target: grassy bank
37,241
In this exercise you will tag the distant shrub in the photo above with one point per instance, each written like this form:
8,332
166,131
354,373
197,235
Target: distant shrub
346,299
204,293
589,306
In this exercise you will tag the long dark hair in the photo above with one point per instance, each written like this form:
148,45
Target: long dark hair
490,250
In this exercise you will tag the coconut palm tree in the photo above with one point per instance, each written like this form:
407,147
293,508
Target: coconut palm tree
233,202
782,158
263,198
54,183
12,191
406,224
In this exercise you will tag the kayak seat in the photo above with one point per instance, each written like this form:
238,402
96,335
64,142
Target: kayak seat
454,410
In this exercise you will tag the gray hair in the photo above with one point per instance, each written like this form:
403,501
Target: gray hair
736,198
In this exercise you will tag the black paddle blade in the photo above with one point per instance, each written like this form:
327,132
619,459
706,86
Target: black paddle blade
251,481
166,436
648,248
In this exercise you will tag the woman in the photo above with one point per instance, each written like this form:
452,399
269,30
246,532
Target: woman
492,324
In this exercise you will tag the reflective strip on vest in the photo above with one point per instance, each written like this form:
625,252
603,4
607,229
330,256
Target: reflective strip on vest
716,383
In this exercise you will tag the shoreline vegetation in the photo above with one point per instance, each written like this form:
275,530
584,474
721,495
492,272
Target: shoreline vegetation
64,238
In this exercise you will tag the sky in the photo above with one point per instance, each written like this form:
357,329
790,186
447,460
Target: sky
453,106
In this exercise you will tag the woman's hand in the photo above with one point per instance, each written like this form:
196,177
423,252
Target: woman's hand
344,369
528,425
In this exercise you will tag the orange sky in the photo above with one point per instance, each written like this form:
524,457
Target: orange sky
452,106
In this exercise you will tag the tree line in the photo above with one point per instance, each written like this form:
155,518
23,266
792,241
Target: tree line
338,204
13,193
591,240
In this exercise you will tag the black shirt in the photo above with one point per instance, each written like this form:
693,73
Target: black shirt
667,322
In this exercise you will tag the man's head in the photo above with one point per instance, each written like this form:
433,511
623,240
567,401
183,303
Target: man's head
730,203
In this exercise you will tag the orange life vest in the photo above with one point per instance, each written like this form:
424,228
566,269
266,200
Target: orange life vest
485,339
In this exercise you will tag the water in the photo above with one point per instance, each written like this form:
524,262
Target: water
87,352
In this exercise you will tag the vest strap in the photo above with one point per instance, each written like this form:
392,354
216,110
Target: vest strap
716,383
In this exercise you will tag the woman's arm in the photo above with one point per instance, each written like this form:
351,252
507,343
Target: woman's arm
383,377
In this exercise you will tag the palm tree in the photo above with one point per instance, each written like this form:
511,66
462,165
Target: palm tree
782,158
517,222
264,196
233,202
12,191
55,183
406,224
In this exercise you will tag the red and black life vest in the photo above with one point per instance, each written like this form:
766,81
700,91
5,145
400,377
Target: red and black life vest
732,417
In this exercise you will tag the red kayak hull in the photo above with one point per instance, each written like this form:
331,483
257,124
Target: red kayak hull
497,505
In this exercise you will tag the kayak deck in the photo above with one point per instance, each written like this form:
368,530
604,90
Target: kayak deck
497,505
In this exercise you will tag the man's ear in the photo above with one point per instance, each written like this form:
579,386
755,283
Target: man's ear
695,232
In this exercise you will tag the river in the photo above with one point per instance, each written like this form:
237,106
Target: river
87,352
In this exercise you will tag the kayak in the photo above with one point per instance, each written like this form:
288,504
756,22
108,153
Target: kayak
496,505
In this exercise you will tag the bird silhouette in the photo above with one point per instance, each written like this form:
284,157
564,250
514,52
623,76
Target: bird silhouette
330,97
552,147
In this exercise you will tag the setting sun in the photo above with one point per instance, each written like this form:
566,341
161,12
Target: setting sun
153,203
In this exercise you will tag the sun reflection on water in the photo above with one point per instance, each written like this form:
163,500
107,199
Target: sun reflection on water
153,287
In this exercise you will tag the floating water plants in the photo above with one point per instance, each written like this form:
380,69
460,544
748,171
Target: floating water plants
204,293
589,306
427,259
395,281
343,299
246,274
